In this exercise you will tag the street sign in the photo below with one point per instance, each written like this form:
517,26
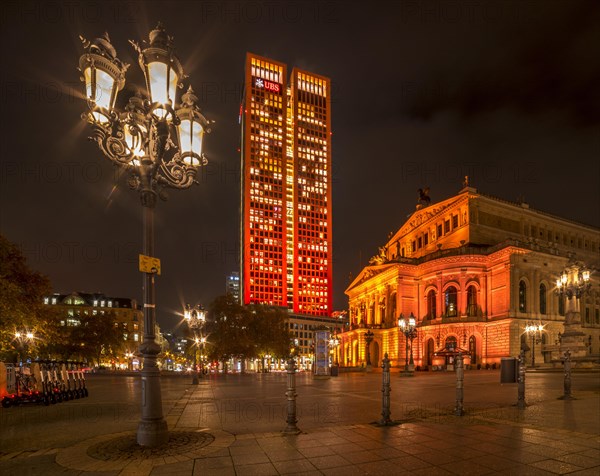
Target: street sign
149,264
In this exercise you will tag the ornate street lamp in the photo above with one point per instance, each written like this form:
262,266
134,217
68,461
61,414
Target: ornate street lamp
368,339
195,318
573,282
160,146
535,332
129,357
409,329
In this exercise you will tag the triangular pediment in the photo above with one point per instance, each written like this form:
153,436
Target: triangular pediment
425,214
369,272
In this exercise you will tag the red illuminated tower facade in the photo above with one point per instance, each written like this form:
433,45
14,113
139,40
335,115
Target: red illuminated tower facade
286,188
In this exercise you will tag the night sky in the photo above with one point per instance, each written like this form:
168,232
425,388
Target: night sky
424,93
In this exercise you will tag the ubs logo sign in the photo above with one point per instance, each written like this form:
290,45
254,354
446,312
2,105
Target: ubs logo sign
268,85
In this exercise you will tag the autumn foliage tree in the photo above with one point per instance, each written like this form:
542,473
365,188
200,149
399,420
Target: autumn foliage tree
246,332
21,306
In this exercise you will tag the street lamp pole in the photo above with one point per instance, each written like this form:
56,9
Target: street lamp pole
409,328
195,318
534,331
160,146
334,342
368,339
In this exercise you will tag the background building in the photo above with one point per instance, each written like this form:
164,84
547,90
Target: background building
232,285
128,314
286,188
474,270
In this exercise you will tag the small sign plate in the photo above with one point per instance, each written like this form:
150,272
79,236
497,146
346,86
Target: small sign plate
149,264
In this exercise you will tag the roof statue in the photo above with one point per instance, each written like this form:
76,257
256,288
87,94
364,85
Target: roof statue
423,198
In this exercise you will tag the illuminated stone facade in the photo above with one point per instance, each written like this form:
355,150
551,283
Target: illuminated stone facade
286,188
474,271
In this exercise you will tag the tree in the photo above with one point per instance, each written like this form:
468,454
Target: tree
21,305
246,332
97,335
228,324
269,331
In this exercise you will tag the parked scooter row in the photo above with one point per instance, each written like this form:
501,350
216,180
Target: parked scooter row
59,381
24,385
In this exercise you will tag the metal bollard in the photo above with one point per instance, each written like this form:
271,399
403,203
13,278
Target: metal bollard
291,428
521,382
460,376
567,383
385,390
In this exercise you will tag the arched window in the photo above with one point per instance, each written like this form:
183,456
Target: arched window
473,349
431,304
561,305
392,306
451,302
471,301
522,296
542,298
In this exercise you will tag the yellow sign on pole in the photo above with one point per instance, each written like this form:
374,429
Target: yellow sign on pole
149,264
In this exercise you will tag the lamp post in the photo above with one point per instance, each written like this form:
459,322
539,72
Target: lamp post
571,285
534,331
368,339
129,356
202,354
334,342
160,146
195,318
573,282
409,329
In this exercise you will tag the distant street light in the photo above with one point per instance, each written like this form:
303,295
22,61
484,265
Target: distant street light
334,342
23,339
160,146
409,329
534,331
195,318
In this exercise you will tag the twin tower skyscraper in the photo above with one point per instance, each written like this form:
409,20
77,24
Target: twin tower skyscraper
286,240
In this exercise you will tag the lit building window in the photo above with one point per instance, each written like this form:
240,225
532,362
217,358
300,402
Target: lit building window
451,302
472,301
522,296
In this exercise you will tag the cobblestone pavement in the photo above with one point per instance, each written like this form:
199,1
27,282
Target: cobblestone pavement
231,425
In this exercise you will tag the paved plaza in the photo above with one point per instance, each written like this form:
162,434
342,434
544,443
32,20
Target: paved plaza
231,425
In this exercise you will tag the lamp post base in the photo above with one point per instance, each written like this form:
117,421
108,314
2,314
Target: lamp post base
195,380
152,433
